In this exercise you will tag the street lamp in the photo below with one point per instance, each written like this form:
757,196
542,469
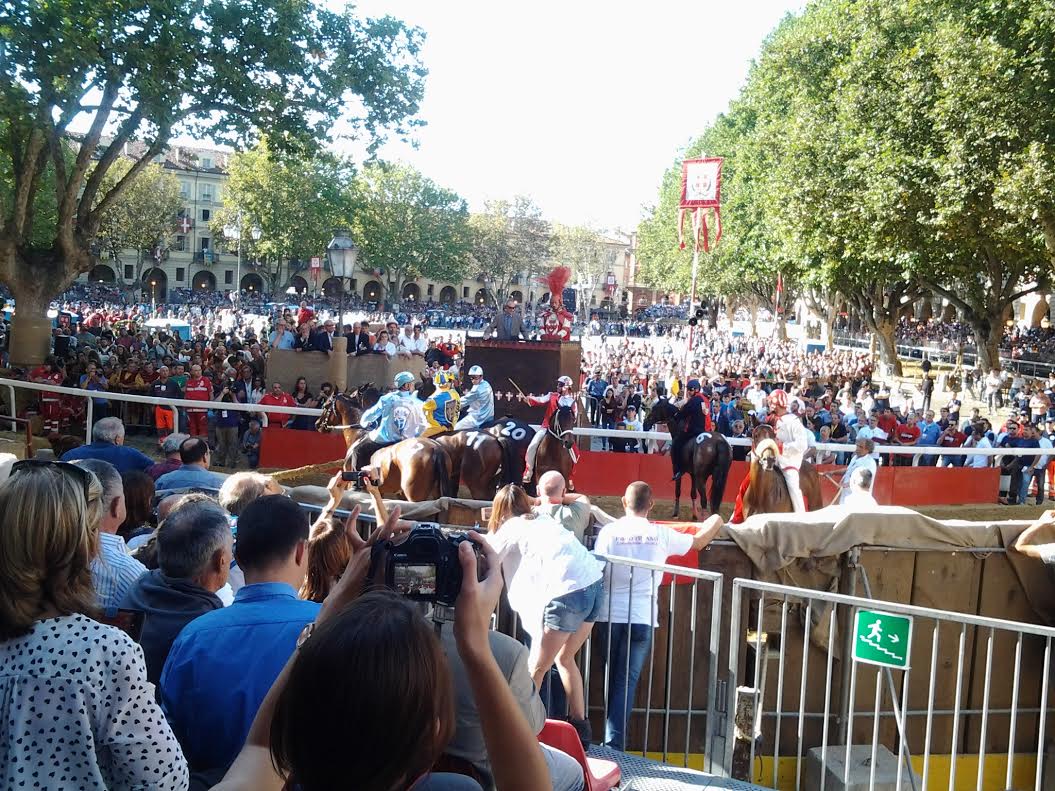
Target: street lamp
342,253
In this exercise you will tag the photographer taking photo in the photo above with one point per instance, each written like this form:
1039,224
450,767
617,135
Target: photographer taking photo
366,702
227,423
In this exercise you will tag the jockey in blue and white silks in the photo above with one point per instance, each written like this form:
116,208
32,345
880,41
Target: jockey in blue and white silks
480,400
398,414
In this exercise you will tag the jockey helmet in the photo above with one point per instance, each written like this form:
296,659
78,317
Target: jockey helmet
694,384
404,378
778,398
476,370
564,381
443,379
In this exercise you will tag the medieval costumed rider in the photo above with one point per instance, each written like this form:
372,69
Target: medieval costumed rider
395,417
793,442
480,401
563,397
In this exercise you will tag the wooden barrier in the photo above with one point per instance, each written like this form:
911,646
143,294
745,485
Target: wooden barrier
287,366
607,474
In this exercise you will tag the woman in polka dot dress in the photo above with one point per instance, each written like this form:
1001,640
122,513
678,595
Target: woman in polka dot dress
76,710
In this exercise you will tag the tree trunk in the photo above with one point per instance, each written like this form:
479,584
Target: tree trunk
885,334
754,318
988,332
33,282
780,327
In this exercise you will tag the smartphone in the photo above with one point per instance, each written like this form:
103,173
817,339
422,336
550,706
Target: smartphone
353,475
128,621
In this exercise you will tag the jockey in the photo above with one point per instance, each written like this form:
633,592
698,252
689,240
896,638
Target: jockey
396,416
553,401
442,407
696,413
50,373
793,443
480,400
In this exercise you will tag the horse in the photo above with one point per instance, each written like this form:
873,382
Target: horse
418,467
480,460
554,451
515,436
342,411
708,459
767,490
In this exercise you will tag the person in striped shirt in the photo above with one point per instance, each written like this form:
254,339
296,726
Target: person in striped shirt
114,571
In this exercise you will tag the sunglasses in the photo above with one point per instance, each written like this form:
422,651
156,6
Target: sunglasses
83,476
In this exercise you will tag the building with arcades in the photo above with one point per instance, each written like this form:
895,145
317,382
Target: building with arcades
195,259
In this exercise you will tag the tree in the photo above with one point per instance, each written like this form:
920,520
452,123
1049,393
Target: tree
143,217
510,243
408,227
143,72
294,201
589,257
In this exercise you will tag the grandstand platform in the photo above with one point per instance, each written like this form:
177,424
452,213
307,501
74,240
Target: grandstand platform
643,774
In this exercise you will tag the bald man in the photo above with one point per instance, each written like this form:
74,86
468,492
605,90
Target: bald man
631,594
571,510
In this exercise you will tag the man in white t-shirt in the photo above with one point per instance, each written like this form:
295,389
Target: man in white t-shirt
629,601
979,440
1038,540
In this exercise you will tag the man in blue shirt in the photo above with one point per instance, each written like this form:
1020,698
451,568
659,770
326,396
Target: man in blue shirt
224,662
108,444
281,337
929,431
194,453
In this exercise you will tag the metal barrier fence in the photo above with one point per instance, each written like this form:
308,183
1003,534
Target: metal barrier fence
946,354
175,404
1002,707
663,678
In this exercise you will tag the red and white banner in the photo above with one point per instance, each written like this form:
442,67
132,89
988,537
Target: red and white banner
701,194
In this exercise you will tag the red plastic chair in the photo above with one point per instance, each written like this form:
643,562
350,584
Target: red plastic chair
600,775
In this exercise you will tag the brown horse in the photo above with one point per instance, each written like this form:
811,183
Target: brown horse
554,451
515,436
707,458
342,411
418,468
478,459
767,492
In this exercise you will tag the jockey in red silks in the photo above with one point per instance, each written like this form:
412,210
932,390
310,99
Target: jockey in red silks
553,401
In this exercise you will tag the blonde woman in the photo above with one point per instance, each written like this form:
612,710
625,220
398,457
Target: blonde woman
97,697
554,585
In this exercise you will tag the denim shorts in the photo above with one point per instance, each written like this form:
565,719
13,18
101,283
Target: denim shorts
568,612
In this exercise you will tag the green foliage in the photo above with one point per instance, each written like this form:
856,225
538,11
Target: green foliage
224,69
510,243
144,216
408,226
293,203
881,148
585,252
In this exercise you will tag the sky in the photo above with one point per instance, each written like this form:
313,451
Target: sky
580,104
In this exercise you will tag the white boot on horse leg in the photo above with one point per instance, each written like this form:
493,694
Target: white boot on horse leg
798,503
532,452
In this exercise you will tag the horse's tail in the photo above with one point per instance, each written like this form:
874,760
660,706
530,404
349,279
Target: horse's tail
723,460
440,458
509,461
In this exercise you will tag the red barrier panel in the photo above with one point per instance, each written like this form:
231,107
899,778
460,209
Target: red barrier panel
607,474
914,486
287,448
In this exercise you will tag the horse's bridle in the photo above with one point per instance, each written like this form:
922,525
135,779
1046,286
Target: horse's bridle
329,412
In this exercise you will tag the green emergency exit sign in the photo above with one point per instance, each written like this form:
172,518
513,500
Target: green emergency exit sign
881,638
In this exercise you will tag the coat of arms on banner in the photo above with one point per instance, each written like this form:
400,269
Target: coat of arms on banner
701,194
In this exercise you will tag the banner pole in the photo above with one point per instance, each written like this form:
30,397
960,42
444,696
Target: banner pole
692,293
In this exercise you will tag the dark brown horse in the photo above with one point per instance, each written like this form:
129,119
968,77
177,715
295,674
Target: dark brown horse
767,492
479,460
708,458
342,412
515,436
555,449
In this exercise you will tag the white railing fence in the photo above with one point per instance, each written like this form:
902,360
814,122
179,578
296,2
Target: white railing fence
955,686
12,385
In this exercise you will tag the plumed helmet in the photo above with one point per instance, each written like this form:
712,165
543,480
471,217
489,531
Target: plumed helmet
778,398
404,378
443,379
694,384
476,370
564,381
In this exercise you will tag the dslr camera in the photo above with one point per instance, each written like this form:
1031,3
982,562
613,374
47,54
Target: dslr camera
425,567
